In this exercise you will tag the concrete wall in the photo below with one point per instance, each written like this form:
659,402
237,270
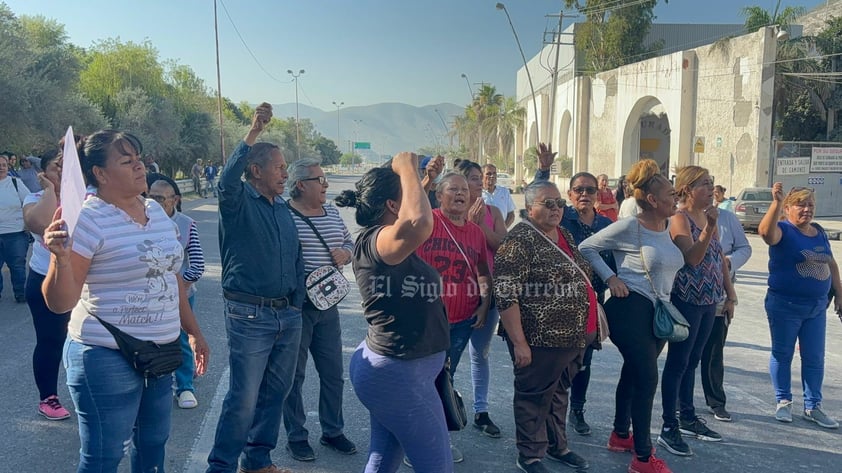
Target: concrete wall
721,92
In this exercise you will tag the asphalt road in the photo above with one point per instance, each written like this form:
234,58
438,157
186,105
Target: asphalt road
754,442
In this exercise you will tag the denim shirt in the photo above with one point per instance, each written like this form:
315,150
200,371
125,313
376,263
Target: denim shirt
258,240
580,231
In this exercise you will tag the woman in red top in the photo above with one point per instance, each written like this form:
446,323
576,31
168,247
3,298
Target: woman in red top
457,250
606,204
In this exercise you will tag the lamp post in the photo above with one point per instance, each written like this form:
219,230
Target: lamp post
476,106
469,85
357,122
500,6
338,137
297,121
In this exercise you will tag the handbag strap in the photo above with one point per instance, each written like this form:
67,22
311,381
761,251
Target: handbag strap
643,260
310,224
569,258
458,246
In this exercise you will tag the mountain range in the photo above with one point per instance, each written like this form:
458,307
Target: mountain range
388,127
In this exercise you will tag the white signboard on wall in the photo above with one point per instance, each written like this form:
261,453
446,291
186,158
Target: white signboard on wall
792,166
826,160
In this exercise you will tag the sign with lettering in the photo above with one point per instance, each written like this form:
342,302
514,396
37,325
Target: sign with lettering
699,144
792,166
826,160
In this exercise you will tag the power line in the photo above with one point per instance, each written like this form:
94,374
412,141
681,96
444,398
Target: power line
236,30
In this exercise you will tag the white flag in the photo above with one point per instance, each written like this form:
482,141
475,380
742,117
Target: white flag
72,183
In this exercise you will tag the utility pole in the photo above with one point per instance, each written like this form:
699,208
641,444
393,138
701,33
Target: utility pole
297,121
556,41
218,85
338,136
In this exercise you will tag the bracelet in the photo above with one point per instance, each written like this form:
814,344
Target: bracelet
735,301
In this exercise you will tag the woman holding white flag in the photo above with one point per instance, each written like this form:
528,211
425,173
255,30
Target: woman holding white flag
118,276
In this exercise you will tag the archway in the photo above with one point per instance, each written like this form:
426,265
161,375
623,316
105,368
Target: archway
564,134
647,135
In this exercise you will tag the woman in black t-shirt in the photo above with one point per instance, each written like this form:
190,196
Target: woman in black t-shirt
394,369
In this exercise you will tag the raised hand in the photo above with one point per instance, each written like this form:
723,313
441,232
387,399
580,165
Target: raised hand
262,116
403,161
546,157
711,216
435,167
778,191
476,212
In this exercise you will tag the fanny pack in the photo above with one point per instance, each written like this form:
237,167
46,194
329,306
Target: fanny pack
150,359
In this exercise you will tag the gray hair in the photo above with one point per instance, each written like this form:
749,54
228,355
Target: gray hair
443,180
259,155
299,171
534,188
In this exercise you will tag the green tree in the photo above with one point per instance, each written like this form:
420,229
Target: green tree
112,66
348,159
328,151
758,17
613,33
38,79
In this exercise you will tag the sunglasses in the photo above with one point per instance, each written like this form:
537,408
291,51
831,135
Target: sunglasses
322,180
581,190
551,204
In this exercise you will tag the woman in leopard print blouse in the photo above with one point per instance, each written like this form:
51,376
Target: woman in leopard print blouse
548,314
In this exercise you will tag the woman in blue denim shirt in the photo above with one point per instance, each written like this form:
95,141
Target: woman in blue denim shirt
802,271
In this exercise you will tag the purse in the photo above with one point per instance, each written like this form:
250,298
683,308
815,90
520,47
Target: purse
451,400
326,286
150,359
668,323
601,319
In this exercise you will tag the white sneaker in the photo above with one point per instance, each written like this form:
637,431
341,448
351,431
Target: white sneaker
186,400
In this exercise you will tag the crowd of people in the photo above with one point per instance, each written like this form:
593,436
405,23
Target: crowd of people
440,266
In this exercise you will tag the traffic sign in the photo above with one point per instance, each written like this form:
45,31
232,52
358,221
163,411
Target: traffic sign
362,145
699,144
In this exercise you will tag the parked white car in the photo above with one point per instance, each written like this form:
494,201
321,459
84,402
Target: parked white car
505,180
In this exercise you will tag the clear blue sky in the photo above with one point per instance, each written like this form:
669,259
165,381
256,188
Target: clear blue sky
359,52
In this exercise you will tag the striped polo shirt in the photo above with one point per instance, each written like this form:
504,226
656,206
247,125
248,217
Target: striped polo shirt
331,228
132,281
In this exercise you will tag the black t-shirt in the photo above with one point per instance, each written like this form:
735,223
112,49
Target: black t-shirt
402,303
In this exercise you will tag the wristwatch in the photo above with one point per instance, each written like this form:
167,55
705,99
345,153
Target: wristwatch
735,301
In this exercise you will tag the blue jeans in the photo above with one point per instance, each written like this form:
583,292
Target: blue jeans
184,374
13,248
405,411
479,348
322,336
460,335
262,353
116,409
679,375
807,322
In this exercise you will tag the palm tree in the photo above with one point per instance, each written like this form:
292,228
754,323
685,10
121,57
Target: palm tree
504,125
756,17
486,104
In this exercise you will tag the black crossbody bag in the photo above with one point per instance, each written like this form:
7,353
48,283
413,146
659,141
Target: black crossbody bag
150,359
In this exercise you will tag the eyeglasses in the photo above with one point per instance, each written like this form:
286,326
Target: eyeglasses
491,174
584,190
160,198
322,180
551,204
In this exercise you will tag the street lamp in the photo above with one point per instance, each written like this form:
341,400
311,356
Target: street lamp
338,137
357,122
469,85
477,108
297,121
500,6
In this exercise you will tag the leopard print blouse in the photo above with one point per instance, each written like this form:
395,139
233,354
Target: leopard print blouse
552,294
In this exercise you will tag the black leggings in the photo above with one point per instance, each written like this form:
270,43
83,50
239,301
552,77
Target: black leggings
50,333
630,320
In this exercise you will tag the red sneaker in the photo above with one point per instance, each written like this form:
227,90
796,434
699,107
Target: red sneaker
654,465
52,409
619,444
